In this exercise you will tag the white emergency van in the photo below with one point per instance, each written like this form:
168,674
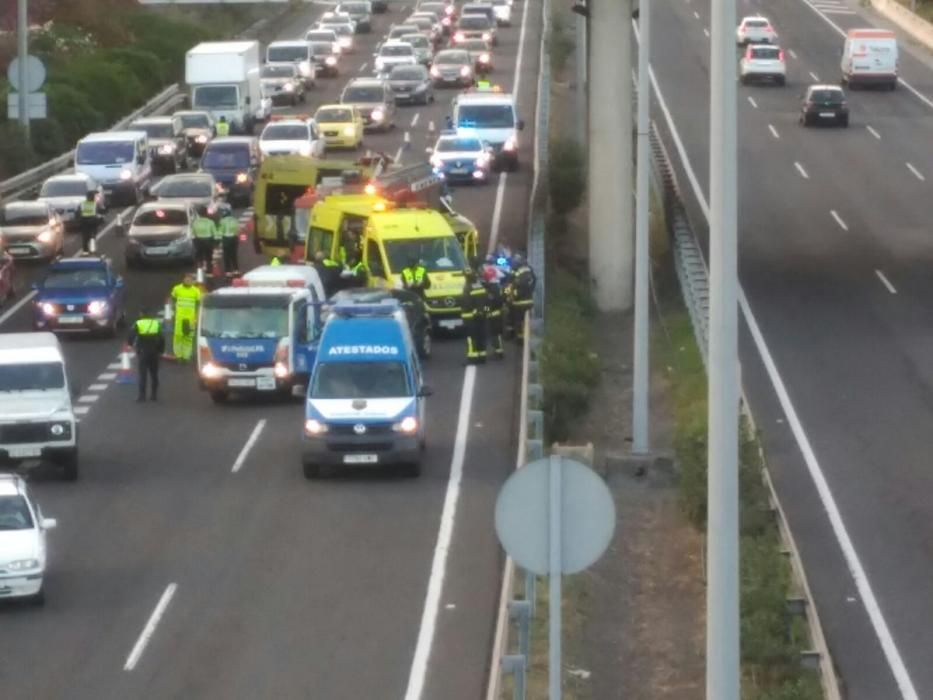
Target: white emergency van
869,57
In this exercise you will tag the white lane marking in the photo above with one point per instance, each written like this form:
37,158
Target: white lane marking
916,172
398,154
873,132
842,224
706,31
792,54
497,211
250,443
363,67
97,387
803,173
419,665
431,126
406,139
150,628
107,376
696,14
108,228
751,101
114,365
81,410
414,119
886,282
815,77
774,132
88,398
854,564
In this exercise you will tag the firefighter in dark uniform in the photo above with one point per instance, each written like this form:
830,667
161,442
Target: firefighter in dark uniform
473,312
415,277
520,292
495,310
149,342
89,220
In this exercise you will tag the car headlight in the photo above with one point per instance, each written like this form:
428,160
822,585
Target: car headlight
201,139
465,71
126,174
96,307
304,149
435,71
331,61
241,178
280,370
210,371
409,424
22,565
305,68
59,429
166,149
511,144
46,237
459,36
314,427
487,36
377,115
288,87
348,131
437,162
344,41
48,309
484,58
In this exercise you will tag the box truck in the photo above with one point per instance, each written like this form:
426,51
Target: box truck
223,78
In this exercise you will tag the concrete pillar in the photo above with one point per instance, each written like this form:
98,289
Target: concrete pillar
610,159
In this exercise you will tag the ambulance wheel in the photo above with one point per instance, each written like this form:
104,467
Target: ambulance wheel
311,470
218,396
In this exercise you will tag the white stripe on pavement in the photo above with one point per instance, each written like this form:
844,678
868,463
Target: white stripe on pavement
88,398
150,628
97,387
916,172
873,132
414,119
774,132
885,282
803,173
107,376
751,101
250,443
842,224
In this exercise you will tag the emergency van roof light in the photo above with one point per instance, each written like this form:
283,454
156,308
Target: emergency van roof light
387,307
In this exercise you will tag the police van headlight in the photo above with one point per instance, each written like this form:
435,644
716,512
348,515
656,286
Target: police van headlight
280,370
408,425
210,371
314,427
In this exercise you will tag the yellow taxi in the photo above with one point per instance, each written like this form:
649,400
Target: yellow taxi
341,126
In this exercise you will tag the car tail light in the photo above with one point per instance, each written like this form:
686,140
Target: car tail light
748,52
435,71
781,55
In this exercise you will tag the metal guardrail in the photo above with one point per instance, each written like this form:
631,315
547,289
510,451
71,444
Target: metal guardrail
29,181
693,275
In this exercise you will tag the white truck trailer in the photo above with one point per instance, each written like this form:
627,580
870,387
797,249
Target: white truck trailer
223,78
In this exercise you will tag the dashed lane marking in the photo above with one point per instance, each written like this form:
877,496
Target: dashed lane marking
107,376
88,398
97,387
873,132
751,101
414,119
842,224
774,132
150,628
886,282
803,173
917,173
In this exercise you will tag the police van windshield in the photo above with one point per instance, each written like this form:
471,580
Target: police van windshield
35,376
253,317
360,380
486,116
441,254
287,54
215,97
104,152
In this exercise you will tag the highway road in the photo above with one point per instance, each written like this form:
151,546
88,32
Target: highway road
835,253
192,558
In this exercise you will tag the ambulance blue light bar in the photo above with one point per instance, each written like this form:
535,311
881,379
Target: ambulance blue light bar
388,307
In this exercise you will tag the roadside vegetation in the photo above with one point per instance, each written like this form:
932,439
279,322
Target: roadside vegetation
105,58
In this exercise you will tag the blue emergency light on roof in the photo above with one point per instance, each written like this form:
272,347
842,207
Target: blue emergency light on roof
387,307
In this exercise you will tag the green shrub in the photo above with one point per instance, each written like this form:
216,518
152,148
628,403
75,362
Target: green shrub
111,88
47,137
806,686
15,152
148,68
169,39
73,110
566,175
560,41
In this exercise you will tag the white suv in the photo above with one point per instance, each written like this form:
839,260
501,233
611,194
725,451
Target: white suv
22,542
763,62
298,136
755,30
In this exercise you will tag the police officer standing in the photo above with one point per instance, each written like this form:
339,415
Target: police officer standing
222,127
89,220
495,310
228,229
204,231
147,339
520,294
187,296
415,277
329,272
473,312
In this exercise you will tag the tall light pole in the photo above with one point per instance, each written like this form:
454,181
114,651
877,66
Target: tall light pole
22,50
722,597
641,363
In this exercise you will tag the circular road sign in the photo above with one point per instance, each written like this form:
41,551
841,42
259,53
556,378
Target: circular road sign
35,74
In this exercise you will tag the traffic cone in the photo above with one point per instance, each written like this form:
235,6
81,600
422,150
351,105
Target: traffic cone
125,375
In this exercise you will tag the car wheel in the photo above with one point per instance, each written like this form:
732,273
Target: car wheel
311,470
219,397
69,465
893,85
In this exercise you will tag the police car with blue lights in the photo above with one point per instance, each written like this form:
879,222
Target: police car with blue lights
488,114
260,335
462,158
366,399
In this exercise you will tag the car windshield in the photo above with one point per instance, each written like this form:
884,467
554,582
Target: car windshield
154,131
448,145
264,317
360,380
419,41
486,116
220,157
278,71
756,23
339,29
826,96
421,22
195,121
104,152
408,73
284,132
454,58
34,376
161,217
440,254
64,188
333,116
355,8
188,188
363,94
325,39
404,50
24,216
215,97
474,22
766,52
14,513
88,277
287,54
475,45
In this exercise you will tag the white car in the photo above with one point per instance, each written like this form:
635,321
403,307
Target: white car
298,136
22,541
394,53
343,29
316,35
65,193
763,62
503,12
755,30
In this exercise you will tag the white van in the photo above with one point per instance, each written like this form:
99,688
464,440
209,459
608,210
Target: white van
119,161
37,421
869,57
298,52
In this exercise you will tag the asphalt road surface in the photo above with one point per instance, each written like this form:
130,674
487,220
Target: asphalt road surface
192,558
835,251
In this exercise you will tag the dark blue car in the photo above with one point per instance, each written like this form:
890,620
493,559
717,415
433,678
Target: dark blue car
80,295
234,163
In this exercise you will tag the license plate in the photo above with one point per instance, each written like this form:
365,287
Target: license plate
451,323
156,251
459,171
233,382
265,383
71,319
827,114
360,459
22,452
19,250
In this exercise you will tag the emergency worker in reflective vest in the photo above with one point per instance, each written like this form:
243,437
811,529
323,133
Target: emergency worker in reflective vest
147,339
228,231
186,296
222,127
415,277
88,220
203,230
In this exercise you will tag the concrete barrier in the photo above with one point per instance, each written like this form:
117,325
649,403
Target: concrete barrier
916,26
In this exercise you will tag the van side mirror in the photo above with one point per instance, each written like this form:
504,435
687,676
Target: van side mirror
49,523
425,390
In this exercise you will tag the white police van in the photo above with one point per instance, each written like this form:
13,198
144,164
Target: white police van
490,115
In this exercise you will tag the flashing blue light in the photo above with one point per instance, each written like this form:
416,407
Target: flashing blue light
502,262
386,307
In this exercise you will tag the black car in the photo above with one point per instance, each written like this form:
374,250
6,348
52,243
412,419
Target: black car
234,163
419,321
411,84
824,104
360,11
